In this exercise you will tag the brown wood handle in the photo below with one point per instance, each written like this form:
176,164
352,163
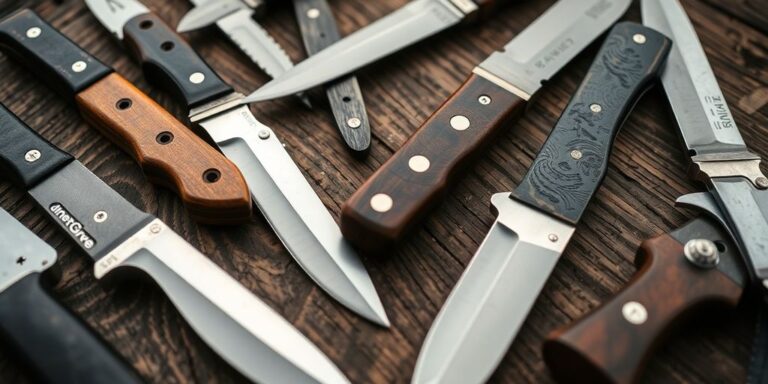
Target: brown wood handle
212,188
404,189
605,347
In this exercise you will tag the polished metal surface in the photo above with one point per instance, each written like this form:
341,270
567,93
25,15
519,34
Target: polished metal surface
485,310
414,22
553,40
208,12
21,251
114,14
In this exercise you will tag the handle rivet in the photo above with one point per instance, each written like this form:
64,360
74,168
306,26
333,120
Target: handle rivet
419,163
639,38
264,134
459,123
34,32
762,182
576,154
79,66
553,238
596,108
354,122
100,217
155,228
32,155
313,13
381,203
484,100
196,78
634,312
702,253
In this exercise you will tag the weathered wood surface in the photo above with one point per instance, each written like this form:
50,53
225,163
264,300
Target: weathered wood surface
647,173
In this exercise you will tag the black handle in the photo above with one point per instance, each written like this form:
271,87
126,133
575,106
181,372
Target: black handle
25,157
51,340
49,54
574,160
170,61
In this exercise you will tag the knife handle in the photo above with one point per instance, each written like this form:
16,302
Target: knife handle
168,59
55,343
612,344
25,157
574,159
61,64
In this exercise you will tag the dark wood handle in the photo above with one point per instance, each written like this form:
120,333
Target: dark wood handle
211,186
403,190
170,61
605,347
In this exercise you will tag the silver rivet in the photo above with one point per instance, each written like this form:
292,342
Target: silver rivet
354,122
32,155
381,203
100,217
639,38
419,163
196,78
155,228
79,66
553,238
762,182
34,32
459,123
313,13
702,253
264,134
484,99
576,154
634,312
596,108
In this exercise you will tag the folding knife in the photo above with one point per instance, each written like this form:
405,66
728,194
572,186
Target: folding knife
242,329
490,302
410,183
50,339
278,187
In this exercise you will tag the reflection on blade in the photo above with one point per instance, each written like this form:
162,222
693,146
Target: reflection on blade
413,22
295,212
207,13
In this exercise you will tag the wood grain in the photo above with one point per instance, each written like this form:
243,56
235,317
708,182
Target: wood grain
636,202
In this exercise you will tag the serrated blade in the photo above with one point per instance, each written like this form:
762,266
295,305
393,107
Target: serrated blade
700,108
552,41
114,14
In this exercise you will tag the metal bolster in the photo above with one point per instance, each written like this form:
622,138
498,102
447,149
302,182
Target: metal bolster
215,107
741,164
465,6
501,83
128,248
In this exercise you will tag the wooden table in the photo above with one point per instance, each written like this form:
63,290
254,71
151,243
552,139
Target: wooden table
647,173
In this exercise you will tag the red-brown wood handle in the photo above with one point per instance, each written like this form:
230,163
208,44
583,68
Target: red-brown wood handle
607,347
403,190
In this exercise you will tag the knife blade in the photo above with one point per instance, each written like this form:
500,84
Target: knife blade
682,275
278,188
210,186
235,19
393,200
319,31
239,327
416,21
50,339
488,305
719,155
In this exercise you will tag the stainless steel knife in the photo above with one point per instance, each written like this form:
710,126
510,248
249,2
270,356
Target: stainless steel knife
487,307
278,187
235,19
242,329
719,155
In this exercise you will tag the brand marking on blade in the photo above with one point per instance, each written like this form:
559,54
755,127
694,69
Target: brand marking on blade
114,5
556,52
74,226
718,109
598,9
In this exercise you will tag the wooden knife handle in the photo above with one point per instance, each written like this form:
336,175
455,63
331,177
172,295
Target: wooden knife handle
169,60
611,344
403,190
210,185
53,341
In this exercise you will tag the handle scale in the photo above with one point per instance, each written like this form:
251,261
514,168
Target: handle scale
573,162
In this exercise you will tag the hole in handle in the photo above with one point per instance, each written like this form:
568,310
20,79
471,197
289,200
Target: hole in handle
146,24
164,138
167,46
211,176
124,104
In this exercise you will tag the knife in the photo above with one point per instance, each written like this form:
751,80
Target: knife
50,339
416,21
487,307
278,187
681,276
211,187
235,19
410,183
319,30
235,324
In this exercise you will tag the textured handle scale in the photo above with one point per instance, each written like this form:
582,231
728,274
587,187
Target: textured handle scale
50,55
170,61
51,340
413,180
612,344
574,159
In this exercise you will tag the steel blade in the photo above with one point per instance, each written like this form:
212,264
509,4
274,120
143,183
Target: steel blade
552,41
485,310
701,111
414,22
295,212
206,13
239,327
21,251
114,14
